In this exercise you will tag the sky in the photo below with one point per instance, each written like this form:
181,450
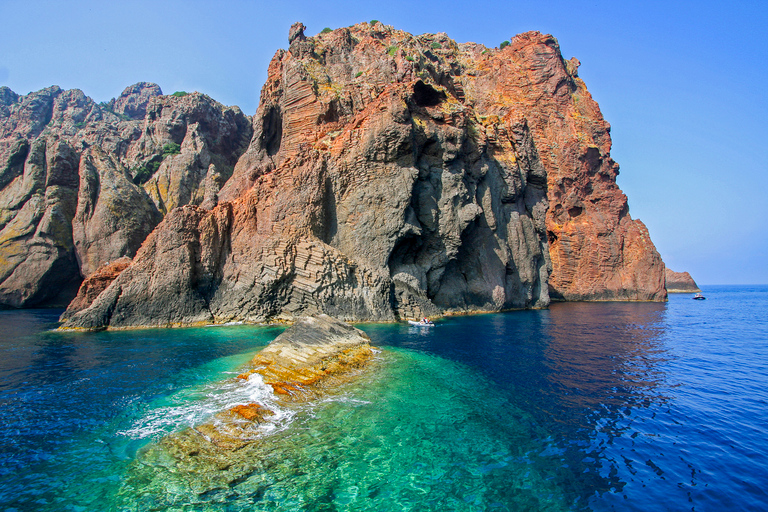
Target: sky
683,84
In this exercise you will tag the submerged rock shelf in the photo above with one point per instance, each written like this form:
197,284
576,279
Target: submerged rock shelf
305,363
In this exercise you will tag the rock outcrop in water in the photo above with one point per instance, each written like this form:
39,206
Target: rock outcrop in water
680,282
387,176
83,184
94,284
309,361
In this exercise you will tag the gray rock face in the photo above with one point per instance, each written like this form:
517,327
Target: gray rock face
37,260
134,100
113,215
82,184
365,200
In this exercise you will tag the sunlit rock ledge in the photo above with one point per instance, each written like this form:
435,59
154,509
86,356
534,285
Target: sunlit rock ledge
310,360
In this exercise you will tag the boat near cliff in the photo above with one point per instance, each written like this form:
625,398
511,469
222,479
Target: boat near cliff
699,296
421,323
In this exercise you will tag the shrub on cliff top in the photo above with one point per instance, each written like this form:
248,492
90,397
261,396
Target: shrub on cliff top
180,94
503,45
373,22
326,30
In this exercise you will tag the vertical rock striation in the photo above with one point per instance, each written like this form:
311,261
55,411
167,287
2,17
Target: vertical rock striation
384,176
82,184
372,189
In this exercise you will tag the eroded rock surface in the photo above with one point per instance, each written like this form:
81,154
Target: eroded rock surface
373,189
680,282
94,284
387,176
82,183
311,360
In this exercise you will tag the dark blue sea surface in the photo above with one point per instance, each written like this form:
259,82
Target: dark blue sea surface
584,406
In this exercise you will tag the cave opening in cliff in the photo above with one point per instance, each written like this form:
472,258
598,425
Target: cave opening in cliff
427,96
405,252
272,130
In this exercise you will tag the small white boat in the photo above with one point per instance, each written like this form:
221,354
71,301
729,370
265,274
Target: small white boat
699,296
421,323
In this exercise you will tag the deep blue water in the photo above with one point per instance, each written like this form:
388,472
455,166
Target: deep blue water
585,406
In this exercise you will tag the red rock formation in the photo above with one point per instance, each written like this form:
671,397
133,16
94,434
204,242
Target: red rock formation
94,284
598,252
392,176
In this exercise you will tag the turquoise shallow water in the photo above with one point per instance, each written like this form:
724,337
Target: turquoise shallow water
614,406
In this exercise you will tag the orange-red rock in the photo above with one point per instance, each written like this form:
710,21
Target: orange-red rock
94,284
392,175
598,252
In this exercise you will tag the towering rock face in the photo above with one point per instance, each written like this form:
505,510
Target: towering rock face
598,252
386,176
372,189
82,184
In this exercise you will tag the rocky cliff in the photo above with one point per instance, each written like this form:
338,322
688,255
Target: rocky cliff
387,176
82,184
680,282
372,189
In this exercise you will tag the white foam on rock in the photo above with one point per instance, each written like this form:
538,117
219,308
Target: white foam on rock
192,407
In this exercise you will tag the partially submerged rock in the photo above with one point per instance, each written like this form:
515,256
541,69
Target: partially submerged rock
680,282
94,284
309,360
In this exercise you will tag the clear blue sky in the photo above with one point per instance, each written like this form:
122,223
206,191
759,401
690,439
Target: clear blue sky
683,85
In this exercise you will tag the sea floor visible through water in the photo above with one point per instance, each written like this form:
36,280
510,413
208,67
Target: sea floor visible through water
584,406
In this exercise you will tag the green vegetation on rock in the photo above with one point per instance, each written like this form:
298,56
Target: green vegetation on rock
180,94
171,149
503,45
144,172
326,30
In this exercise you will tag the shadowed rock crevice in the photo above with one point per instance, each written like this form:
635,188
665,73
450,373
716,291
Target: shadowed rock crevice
425,95
272,131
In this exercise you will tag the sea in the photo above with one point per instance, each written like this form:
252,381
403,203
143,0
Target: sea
582,406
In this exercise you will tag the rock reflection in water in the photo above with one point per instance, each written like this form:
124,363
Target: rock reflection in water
602,373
